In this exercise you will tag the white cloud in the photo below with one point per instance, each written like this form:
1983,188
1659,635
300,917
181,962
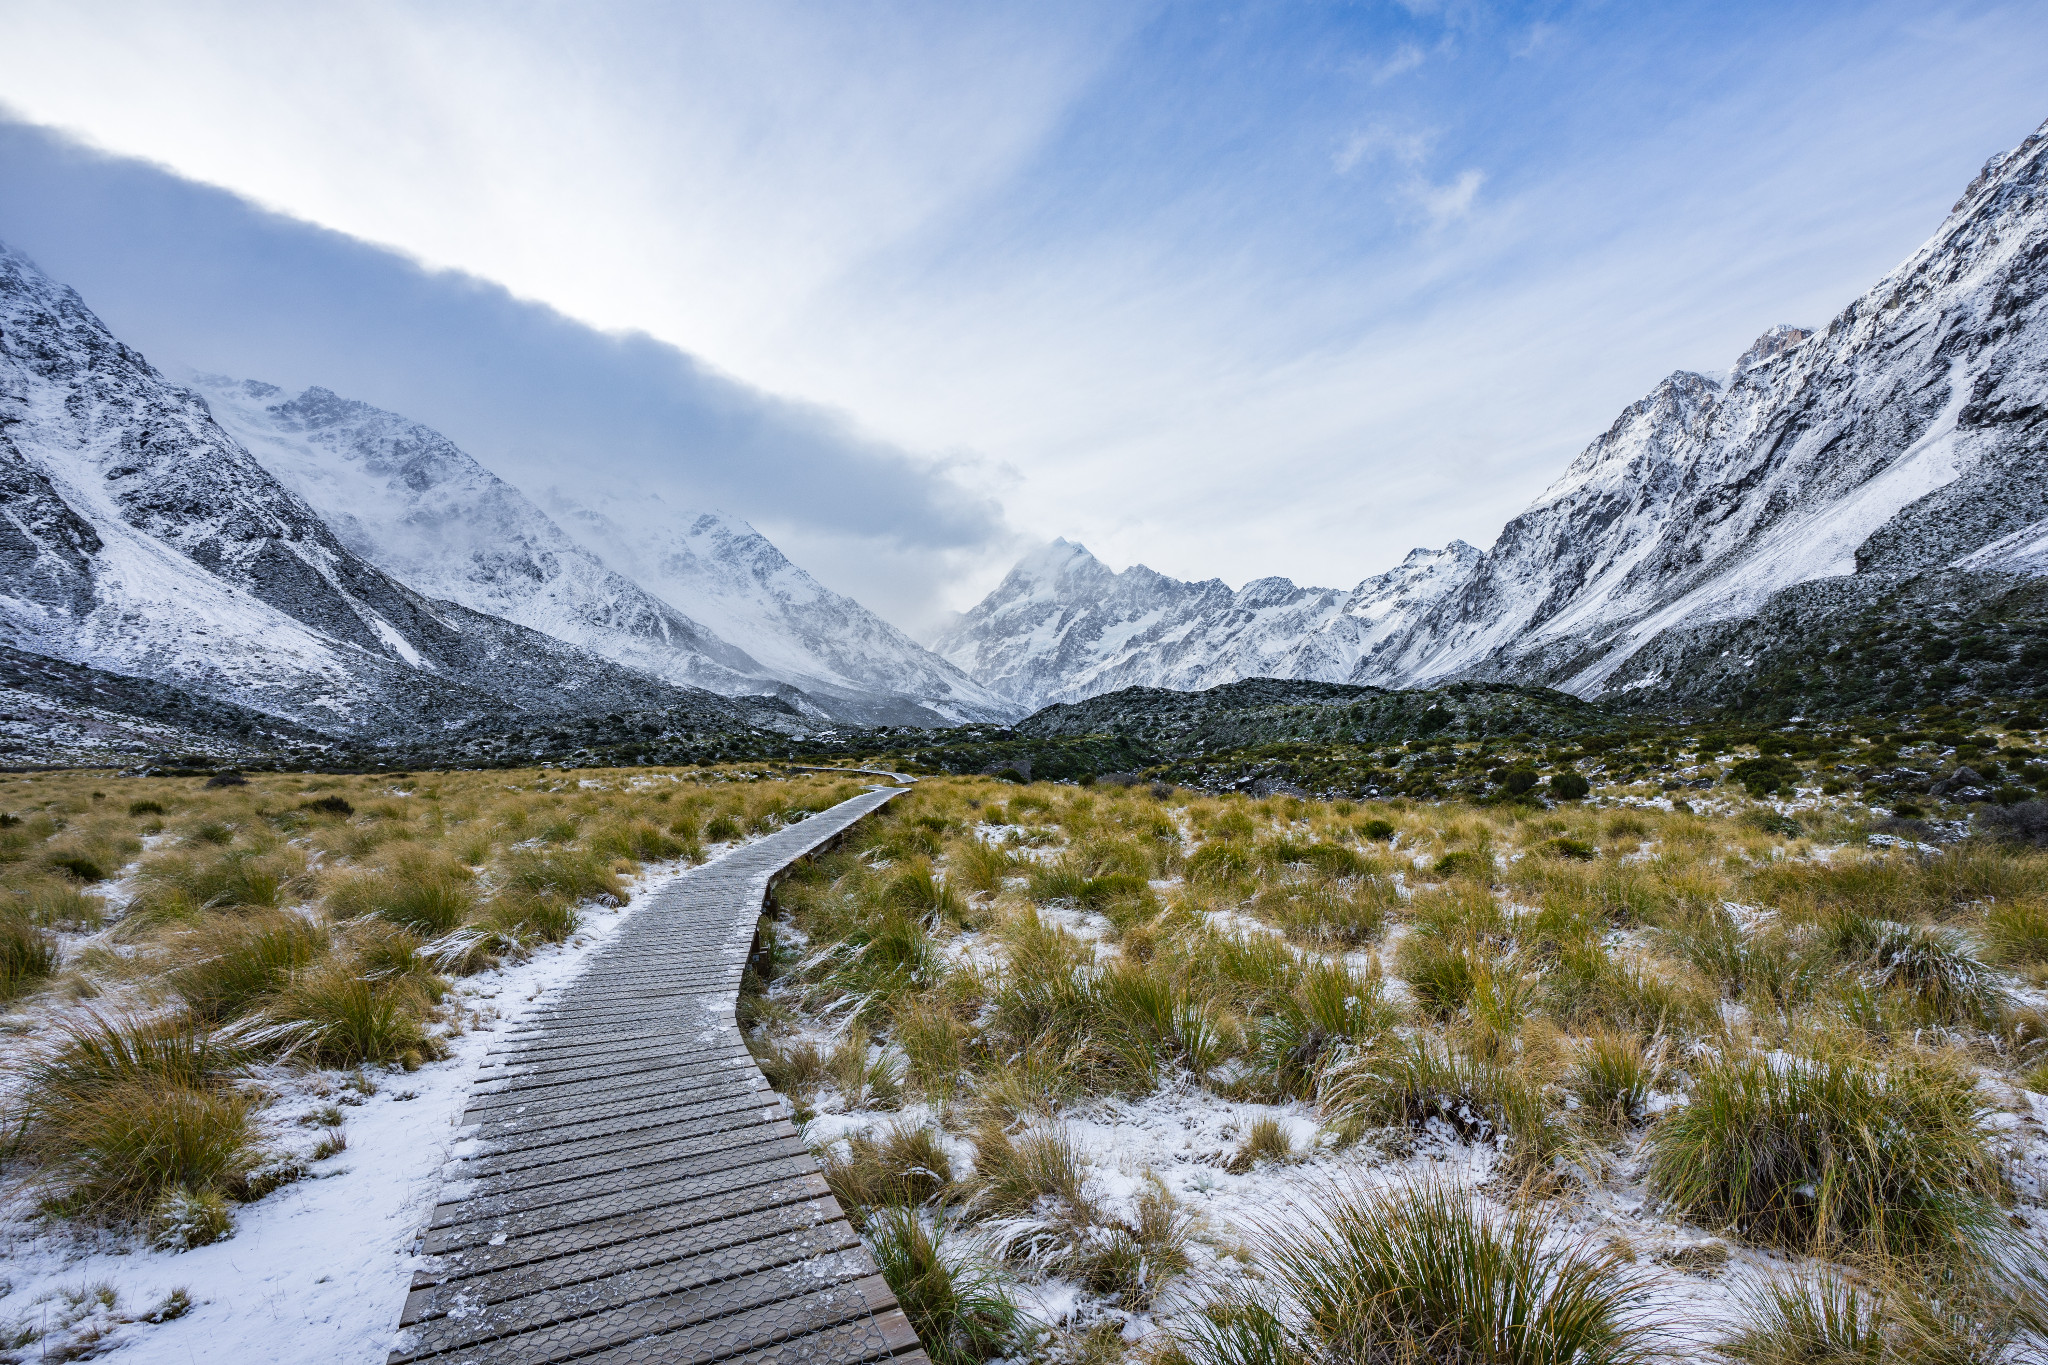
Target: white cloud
1449,201
1380,140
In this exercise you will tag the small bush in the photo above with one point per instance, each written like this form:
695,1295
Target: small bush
145,807
83,866
1569,786
328,805
1829,1153
1376,830
1421,1274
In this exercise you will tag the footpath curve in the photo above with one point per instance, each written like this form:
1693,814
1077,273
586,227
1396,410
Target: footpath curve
627,1188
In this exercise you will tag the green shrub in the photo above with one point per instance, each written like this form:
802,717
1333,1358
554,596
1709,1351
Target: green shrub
1569,786
1829,1153
1421,1274
1376,830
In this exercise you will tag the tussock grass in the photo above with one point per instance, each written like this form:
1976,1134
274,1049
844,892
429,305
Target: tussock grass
1011,1175
1423,1274
232,964
959,1308
28,952
1425,1081
1828,1152
904,1166
1265,1140
127,1109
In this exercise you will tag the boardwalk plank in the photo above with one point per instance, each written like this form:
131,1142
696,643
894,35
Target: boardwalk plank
628,1188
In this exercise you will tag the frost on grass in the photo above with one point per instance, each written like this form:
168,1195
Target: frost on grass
1124,1058
242,1018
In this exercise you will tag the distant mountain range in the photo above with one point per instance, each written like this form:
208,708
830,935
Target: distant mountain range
345,572
1856,514
1832,490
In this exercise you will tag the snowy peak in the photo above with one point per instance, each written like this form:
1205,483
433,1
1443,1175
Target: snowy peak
1062,627
722,571
143,540
1905,438
1771,345
413,502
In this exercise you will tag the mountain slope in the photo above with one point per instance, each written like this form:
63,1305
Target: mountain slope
1061,626
1907,437
411,501
728,575
1895,460
138,538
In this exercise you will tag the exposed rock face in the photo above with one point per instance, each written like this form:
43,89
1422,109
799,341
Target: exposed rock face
139,538
1900,451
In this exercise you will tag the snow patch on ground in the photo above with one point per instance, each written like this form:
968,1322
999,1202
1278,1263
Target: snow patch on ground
318,1270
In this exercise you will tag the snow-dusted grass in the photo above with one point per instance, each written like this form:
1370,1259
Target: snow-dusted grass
337,953
1150,1037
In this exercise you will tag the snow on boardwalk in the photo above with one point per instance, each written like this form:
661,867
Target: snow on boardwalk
628,1188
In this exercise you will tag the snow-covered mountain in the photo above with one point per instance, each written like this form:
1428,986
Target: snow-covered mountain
138,537
1908,437
729,576
407,499
1061,626
707,601
1905,443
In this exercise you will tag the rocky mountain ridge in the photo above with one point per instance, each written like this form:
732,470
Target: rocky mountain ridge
1900,452
1062,626
139,539
412,502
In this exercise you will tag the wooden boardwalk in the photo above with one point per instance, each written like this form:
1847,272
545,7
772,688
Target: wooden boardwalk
628,1188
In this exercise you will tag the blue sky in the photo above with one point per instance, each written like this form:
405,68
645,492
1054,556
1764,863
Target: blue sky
1232,290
